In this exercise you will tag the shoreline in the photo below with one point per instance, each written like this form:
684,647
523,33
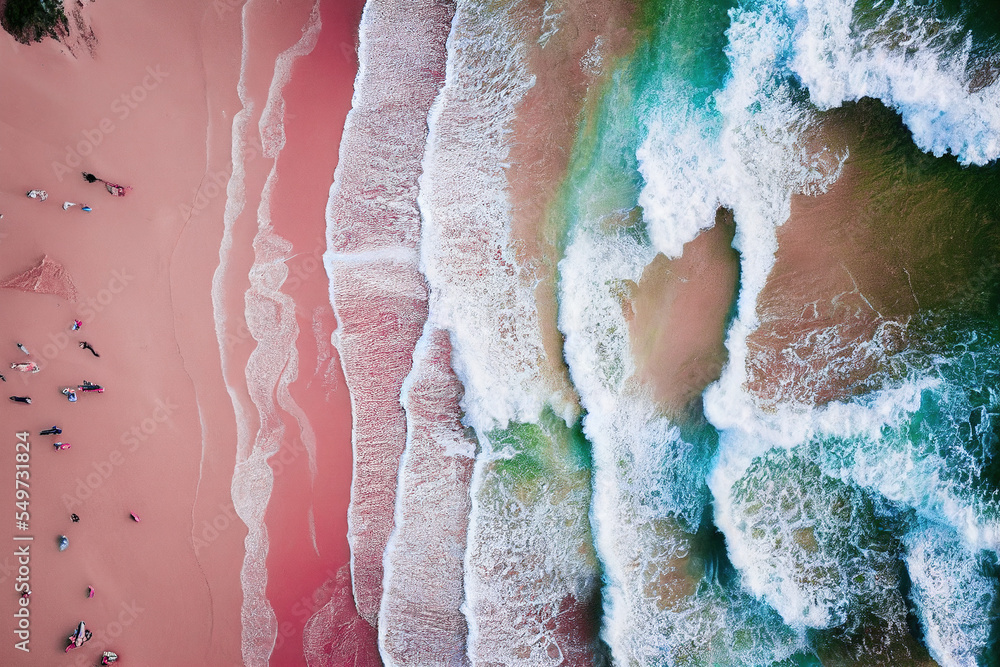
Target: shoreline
154,110
122,127
307,516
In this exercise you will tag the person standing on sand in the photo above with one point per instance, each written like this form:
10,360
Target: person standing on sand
2,377
70,394
74,518
86,346
77,324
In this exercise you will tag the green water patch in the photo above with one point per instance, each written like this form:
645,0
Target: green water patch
829,541
959,420
837,546
991,656
677,42
542,450
977,19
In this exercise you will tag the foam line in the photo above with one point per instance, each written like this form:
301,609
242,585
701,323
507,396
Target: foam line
252,478
373,229
421,624
916,63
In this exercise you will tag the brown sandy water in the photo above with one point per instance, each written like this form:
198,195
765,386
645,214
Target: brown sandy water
678,313
590,35
900,233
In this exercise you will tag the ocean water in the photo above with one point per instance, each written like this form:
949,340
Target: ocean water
830,497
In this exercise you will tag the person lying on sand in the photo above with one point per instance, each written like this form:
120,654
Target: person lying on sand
2,377
55,430
77,639
135,517
74,518
26,367
23,348
40,195
109,657
61,445
21,399
70,394
86,346
114,189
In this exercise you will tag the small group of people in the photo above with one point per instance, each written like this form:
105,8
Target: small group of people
42,195
33,367
113,189
81,635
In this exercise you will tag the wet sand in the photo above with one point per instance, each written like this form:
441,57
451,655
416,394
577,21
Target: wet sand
154,109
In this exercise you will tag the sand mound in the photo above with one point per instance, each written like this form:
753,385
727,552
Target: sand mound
46,277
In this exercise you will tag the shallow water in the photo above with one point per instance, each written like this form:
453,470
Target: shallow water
783,456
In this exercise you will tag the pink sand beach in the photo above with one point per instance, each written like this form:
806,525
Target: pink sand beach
151,103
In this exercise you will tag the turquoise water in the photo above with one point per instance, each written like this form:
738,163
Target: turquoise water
768,522
861,532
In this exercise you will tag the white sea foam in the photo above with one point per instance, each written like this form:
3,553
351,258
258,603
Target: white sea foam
917,64
421,624
272,364
952,594
259,627
649,481
373,230
528,570
482,295
530,574
680,164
